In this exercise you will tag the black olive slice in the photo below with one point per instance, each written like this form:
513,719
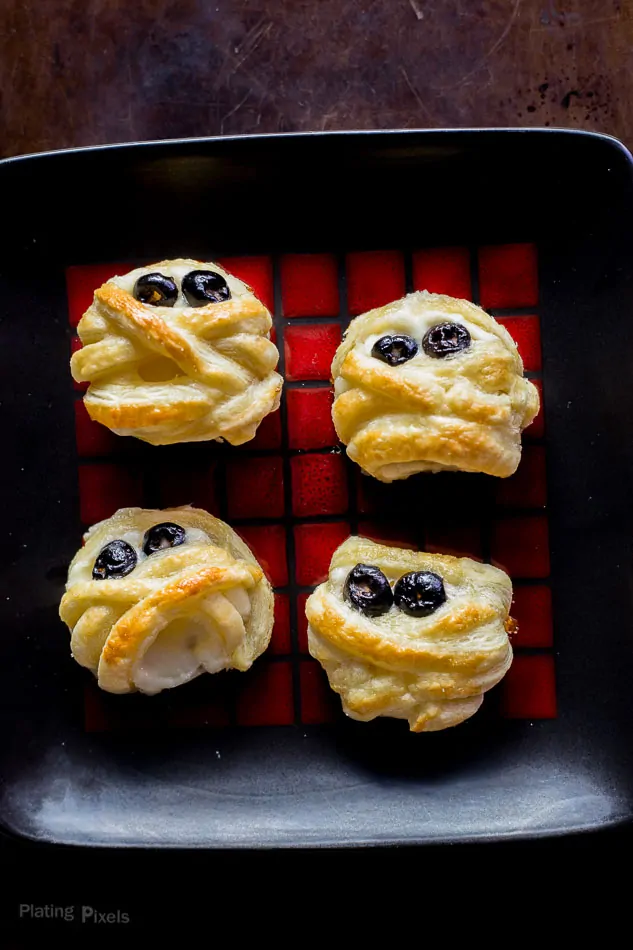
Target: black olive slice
164,535
445,339
116,559
201,287
156,289
394,350
367,589
419,593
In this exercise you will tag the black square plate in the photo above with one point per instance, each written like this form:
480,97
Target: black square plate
569,194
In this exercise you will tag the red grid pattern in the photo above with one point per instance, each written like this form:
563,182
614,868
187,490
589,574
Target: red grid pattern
443,270
318,702
310,423
464,540
289,498
81,283
520,545
397,537
104,488
532,609
266,697
529,688
508,276
268,435
319,485
255,487
374,278
314,546
281,640
302,622
92,439
309,350
309,285
526,332
527,488
257,272
191,486
268,544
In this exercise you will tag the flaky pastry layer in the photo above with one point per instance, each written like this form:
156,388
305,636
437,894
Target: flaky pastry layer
181,373
201,606
432,671
465,412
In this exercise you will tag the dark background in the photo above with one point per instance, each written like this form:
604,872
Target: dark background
87,72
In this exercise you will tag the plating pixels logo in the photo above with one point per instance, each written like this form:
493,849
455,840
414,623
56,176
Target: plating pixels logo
84,914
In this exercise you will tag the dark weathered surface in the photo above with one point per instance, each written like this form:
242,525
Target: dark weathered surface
84,72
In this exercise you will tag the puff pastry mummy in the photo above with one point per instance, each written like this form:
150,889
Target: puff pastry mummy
432,667
175,357
154,598
429,383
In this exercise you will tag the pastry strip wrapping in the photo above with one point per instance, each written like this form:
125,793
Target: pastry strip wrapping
178,373
432,671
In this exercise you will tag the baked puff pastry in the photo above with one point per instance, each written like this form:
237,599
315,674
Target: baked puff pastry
410,635
431,383
154,598
178,352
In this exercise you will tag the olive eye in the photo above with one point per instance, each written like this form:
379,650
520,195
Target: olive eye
394,350
116,559
419,593
201,287
445,339
157,290
367,589
165,535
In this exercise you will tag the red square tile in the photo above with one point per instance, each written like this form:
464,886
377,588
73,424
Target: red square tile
75,345
309,285
83,280
266,695
372,496
532,610
268,544
527,488
302,622
280,641
96,713
189,486
526,333
508,276
529,688
198,715
310,423
255,487
385,534
257,272
105,713
318,702
366,494
537,429
104,488
462,540
310,350
319,485
520,546
443,270
374,278
93,439
268,435
314,546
